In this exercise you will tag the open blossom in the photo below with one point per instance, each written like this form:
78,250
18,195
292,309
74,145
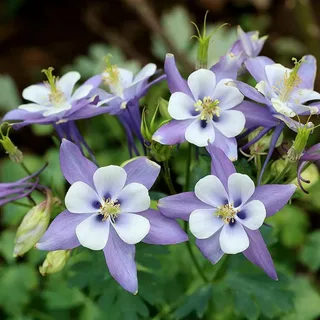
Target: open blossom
202,109
226,211
108,209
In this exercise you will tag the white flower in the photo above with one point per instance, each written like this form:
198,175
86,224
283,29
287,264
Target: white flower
55,95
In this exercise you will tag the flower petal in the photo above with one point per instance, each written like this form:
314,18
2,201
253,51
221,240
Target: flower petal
229,96
81,92
275,74
204,223
109,181
61,234
252,214
307,72
181,205
172,132
120,260
93,233
226,68
131,228
181,106
81,198
67,82
256,66
210,247
134,197
163,230
233,238
250,92
202,83
142,170
200,133
230,123
240,188
211,191
74,166
57,109
273,196
146,72
304,95
259,255
37,93
228,145
33,107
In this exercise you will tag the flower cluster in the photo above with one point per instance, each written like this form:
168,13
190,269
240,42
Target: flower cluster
108,208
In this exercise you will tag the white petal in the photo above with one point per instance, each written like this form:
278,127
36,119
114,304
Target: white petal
282,107
228,96
233,238
211,191
266,90
93,233
181,106
146,72
32,107
81,92
131,228
134,198
126,77
202,83
203,223
36,93
81,198
200,133
57,109
109,181
275,75
67,82
230,123
240,188
304,95
252,214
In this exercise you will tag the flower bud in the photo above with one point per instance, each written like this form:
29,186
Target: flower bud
278,166
33,226
159,151
54,262
14,153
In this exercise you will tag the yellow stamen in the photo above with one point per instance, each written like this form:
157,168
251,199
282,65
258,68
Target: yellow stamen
56,96
208,108
111,73
226,213
111,209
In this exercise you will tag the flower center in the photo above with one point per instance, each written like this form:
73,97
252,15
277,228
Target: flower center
110,208
56,96
208,108
111,77
226,213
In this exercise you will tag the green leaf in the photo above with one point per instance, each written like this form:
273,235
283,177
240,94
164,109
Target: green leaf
291,224
310,254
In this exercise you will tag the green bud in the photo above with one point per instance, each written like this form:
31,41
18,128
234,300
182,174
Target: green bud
278,166
159,151
14,153
300,142
54,262
33,226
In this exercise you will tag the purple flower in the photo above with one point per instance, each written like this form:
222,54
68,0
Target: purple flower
226,211
19,189
248,45
108,209
202,108
310,155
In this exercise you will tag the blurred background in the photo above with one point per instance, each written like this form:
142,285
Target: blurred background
77,35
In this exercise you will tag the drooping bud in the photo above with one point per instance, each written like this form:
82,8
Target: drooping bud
300,142
278,166
14,153
33,226
54,262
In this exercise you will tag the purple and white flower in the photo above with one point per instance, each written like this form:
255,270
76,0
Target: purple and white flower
226,211
202,109
108,209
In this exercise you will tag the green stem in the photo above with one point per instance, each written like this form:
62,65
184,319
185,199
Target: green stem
167,177
258,165
188,167
25,168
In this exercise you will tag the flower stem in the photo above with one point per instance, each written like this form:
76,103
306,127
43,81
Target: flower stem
282,173
167,177
24,167
188,165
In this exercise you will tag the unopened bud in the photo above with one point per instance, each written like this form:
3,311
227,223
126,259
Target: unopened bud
159,151
14,153
278,166
33,226
54,262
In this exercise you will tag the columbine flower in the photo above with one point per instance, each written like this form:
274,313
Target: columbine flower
202,110
310,155
108,209
248,45
13,191
226,211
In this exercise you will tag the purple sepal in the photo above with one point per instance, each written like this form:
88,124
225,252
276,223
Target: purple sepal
142,170
250,92
258,253
221,166
256,67
226,68
181,205
307,72
175,81
163,230
120,260
74,166
61,234
262,133
273,196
